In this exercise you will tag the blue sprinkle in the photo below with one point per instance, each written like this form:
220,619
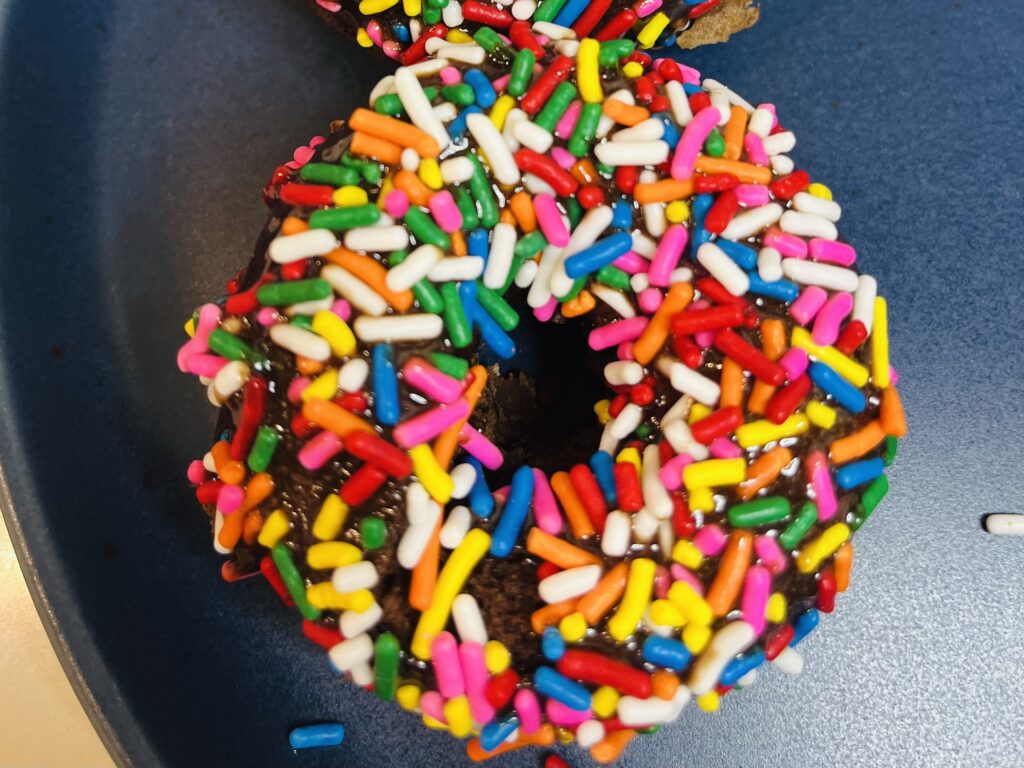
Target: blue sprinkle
666,652
740,666
672,134
603,466
560,688
603,252
476,243
783,290
318,735
743,255
227,434
552,644
495,732
700,236
803,625
622,215
858,473
477,80
513,515
844,393
457,127
571,11
691,89
386,404
481,503
493,335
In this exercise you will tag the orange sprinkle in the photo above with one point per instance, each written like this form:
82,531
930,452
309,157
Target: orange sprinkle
550,615
608,749
843,564
448,441
558,551
331,416
373,273
734,132
252,526
653,338
764,471
602,598
307,366
521,205
664,191
732,568
773,338
394,130
424,575
664,684
894,421
292,225
732,384
507,217
365,145
584,171
418,192
542,737
760,394
257,489
579,304
748,173
856,444
458,243
575,513
623,113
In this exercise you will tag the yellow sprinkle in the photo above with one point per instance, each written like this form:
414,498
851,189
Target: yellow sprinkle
370,7
630,456
652,30
385,188
330,518
573,627
458,36
697,412
634,600
605,701
500,110
437,482
601,411
564,735
348,196
821,415
820,190
324,596
775,611
430,173
633,70
588,75
812,555
852,371
764,431
715,473
880,345
412,7
363,38
190,327
274,528
324,386
708,701
696,637
456,570
408,697
456,712
685,553
701,500
677,211
694,607
665,614
335,332
360,600
496,657
434,723
333,554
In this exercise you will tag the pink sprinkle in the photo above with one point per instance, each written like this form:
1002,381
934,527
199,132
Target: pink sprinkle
327,5
793,246
445,212
432,704
436,385
550,220
427,425
546,312
649,300
757,587
671,472
691,76
209,318
617,332
450,76
830,318
319,449
807,304
474,673
625,351
679,573
795,362
710,540
563,157
196,472
560,714
396,203
545,509
230,498
694,136
832,251
563,129
528,708
894,378
631,263
478,446
755,149
342,309
768,550
296,388
267,316
646,7
501,82
392,50
724,448
704,339
821,482
444,654
752,195
501,495
662,581
667,255
205,365
374,32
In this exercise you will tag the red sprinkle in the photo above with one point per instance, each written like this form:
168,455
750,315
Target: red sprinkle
827,591
546,569
707,319
269,571
379,452
627,487
716,292
554,761
590,18
778,641
294,270
598,669
362,484
702,8
718,182
254,404
521,36
732,345
418,50
688,351
698,101
482,13
325,637
546,168
641,394
682,519
721,212
626,178
852,336
302,427
617,26
230,573
245,302
501,687
539,93
786,400
616,405
669,70
787,186
310,195
207,492
590,196
717,424
590,495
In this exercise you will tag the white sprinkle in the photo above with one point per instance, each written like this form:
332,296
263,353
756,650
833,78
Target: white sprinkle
508,133
807,225
679,436
617,301
468,54
554,31
591,226
416,537
723,269
656,498
490,142
700,388
451,15
523,9
540,289
499,258
415,101
634,711
727,643
417,504
1005,525
352,375
654,213
645,526
864,300
769,264
463,477
819,206
531,135
680,275
230,378
310,307
537,185
348,653
362,675
678,102
779,143
761,122
354,623
710,84
720,101
414,327
456,268
752,221
456,170
350,287
425,68
313,242
381,239
567,48
527,272
643,245
747,680
409,159
469,623
615,537
455,527
572,582
417,265
782,165
589,732
651,129
790,661
818,273
666,536
632,152
623,372
350,578
300,341
383,87
218,523
629,418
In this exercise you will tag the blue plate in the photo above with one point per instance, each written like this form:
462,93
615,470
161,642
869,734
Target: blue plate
135,140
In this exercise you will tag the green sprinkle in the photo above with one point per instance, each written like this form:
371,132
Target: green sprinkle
870,499
487,39
715,144
424,291
522,71
497,307
890,450
613,277
303,321
643,431
559,102
480,186
263,448
373,532
293,292
577,286
586,128
439,4
345,218
763,511
329,173
293,580
388,104
431,15
385,666
650,730
425,229
352,161
466,207
456,367
461,95
455,320
575,211
613,51
800,525
430,92
548,10
233,348
605,170
371,173
531,244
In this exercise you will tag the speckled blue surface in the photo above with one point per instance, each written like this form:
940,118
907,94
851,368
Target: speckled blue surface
134,140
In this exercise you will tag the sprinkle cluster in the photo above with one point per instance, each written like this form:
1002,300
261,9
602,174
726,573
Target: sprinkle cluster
751,410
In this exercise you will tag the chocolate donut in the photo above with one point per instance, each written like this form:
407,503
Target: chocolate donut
401,29
509,588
